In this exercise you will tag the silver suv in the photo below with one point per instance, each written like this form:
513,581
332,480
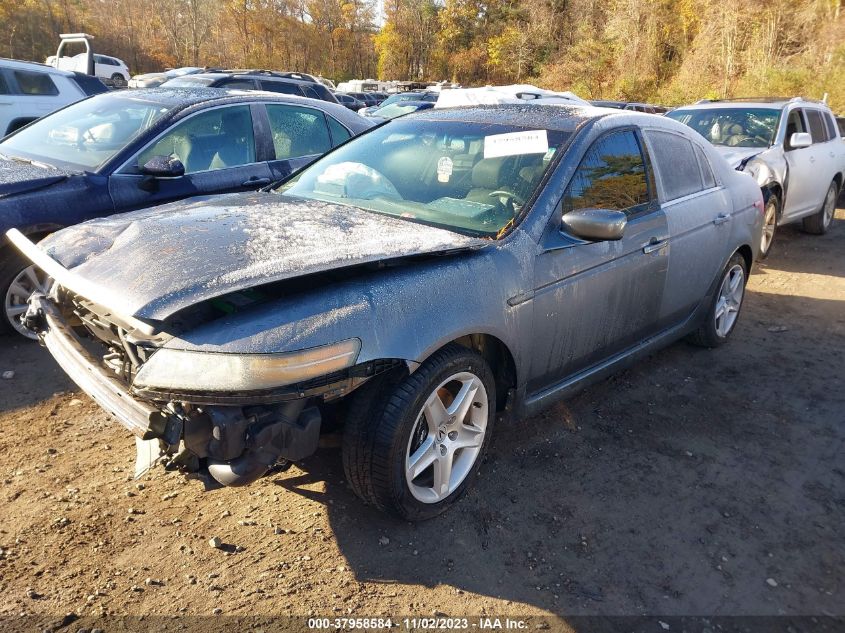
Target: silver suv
791,147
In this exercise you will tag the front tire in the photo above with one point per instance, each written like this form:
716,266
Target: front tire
17,283
413,443
725,307
820,222
118,80
771,215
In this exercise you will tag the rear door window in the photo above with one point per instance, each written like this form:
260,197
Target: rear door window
281,87
832,132
298,131
4,87
709,180
612,176
238,84
35,84
677,163
817,127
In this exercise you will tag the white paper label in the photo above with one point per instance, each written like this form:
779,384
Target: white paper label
444,169
516,143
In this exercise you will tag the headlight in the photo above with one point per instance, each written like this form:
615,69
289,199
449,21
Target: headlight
208,371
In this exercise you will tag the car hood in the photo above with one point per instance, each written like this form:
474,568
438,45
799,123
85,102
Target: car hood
19,176
735,155
150,76
155,262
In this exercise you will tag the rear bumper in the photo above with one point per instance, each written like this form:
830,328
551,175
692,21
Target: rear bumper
141,419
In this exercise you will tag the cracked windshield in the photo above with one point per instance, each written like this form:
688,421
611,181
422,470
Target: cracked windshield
734,127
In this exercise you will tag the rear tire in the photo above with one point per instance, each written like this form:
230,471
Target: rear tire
820,222
725,306
405,450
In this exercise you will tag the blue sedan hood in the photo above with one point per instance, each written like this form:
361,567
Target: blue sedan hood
155,262
19,176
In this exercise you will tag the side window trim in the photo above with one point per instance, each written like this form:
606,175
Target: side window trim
704,162
653,203
264,150
331,134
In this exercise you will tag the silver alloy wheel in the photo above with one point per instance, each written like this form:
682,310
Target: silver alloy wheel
447,437
829,207
29,280
769,224
729,300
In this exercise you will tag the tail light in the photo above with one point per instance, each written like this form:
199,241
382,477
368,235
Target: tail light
759,205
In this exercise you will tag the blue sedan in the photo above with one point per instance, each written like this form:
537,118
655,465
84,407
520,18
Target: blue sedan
121,151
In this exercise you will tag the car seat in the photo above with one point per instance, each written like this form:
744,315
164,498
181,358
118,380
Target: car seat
234,143
492,174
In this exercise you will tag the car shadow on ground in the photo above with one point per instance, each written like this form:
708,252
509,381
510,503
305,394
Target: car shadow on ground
33,380
681,486
798,252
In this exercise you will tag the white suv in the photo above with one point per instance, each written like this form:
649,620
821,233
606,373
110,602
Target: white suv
28,91
791,147
111,70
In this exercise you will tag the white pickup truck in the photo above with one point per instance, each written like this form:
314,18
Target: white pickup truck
791,147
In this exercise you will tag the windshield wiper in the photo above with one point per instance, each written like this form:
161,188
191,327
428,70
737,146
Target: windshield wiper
26,161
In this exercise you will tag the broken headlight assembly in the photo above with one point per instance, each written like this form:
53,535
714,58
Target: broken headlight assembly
191,371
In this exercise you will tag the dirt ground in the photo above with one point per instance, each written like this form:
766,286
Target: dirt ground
698,482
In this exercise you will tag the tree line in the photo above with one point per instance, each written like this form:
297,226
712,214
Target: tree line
663,51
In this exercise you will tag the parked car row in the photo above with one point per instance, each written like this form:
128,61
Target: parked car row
125,150
29,91
251,265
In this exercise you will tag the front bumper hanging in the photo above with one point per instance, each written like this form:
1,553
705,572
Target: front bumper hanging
141,419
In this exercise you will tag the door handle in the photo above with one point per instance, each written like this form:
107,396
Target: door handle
812,159
256,182
721,219
654,245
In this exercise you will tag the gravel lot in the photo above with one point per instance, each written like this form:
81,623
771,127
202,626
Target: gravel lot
698,482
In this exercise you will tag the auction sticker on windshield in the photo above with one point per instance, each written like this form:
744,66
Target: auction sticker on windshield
516,143
444,169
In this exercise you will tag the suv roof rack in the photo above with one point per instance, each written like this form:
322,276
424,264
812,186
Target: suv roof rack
760,100
257,71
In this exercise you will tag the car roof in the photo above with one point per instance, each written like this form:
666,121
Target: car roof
184,97
564,118
17,64
772,103
178,99
255,74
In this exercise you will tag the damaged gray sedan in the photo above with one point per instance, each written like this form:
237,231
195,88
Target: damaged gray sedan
441,272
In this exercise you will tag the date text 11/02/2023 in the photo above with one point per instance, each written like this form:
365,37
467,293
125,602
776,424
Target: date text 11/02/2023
427,623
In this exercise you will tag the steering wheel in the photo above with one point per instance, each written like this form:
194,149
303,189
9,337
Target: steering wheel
736,139
510,199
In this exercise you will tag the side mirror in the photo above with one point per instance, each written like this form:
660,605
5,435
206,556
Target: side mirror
596,224
163,167
799,140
